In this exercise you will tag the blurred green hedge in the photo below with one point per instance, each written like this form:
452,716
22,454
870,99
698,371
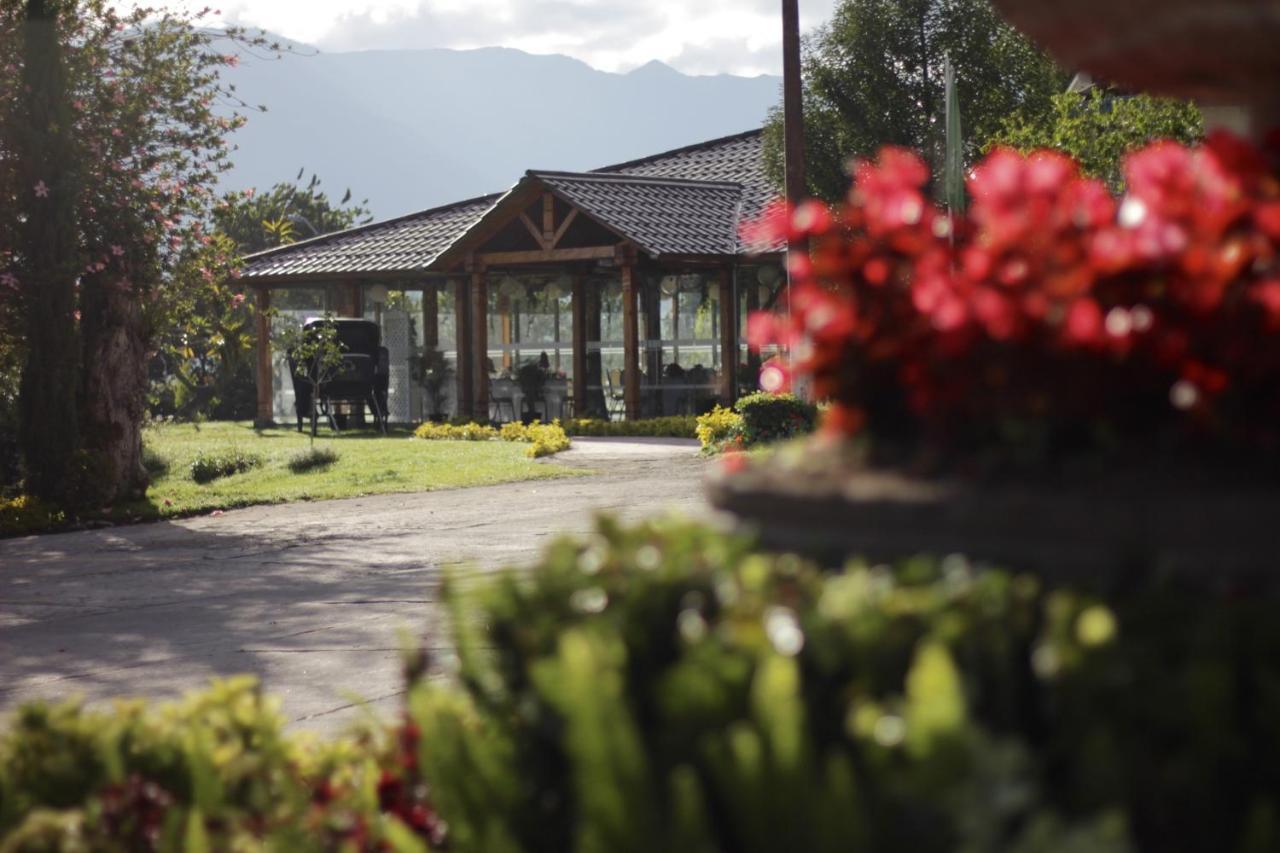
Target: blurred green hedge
666,688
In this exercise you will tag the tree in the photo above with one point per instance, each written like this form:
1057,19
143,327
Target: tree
1099,128
126,118
203,365
874,77
287,212
315,354
39,151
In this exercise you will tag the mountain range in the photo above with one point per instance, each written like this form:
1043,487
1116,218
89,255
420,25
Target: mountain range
411,129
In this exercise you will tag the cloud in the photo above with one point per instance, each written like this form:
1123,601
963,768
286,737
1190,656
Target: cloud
703,37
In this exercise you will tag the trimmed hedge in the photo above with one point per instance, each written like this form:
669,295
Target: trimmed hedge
664,687
673,426
767,418
543,439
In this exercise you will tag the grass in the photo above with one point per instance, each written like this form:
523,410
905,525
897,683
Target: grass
367,464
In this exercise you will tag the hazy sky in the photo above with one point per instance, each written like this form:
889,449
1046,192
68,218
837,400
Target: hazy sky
696,36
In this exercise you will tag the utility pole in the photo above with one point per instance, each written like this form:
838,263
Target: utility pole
793,134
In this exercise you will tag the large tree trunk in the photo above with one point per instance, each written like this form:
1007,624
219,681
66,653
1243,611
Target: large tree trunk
49,429
115,383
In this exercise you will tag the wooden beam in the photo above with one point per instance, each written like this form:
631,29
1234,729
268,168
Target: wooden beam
579,347
480,338
504,312
728,338
753,305
548,220
538,236
466,369
631,341
266,413
431,316
490,259
564,227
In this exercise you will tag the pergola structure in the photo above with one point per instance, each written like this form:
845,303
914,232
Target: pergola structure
551,259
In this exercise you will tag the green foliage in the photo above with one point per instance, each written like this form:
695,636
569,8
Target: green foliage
665,688
214,465
874,77
671,426
312,459
257,221
717,427
214,772
26,514
545,439
455,432
1099,128
767,418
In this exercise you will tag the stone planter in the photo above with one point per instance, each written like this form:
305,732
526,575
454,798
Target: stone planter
1109,531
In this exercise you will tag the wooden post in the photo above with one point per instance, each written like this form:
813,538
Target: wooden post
753,305
431,316
631,340
266,413
504,312
350,300
580,408
466,372
728,338
480,344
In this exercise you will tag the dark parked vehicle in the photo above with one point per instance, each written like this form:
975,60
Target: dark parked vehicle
362,380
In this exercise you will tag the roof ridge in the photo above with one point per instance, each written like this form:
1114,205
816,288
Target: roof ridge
381,223
634,179
710,143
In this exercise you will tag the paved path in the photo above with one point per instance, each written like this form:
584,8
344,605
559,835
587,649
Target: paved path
308,596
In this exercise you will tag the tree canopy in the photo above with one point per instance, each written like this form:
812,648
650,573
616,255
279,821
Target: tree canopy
113,129
1098,128
873,76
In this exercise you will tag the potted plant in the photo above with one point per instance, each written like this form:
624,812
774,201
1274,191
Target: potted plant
432,372
532,379
1057,379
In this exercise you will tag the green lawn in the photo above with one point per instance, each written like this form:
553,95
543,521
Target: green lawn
368,464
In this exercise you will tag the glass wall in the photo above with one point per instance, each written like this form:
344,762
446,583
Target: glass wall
419,329
530,337
760,288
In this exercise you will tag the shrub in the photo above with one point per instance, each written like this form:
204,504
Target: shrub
767,418
313,459
455,432
545,439
214,772
26,514
664,687
673,426
717,427
214,465
667,689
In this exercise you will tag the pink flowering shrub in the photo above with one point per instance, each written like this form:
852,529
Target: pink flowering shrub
1051,313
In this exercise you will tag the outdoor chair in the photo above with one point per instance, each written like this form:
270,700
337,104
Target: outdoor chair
501,393
615,393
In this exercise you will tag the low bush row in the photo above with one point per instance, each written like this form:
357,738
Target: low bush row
214,465
543,439
665,687
672,426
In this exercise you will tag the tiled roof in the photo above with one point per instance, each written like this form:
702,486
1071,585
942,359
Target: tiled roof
407,244
661,216
687,201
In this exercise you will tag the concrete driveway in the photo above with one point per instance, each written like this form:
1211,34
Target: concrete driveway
309,597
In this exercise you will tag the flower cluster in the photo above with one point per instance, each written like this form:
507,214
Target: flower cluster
1050,309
